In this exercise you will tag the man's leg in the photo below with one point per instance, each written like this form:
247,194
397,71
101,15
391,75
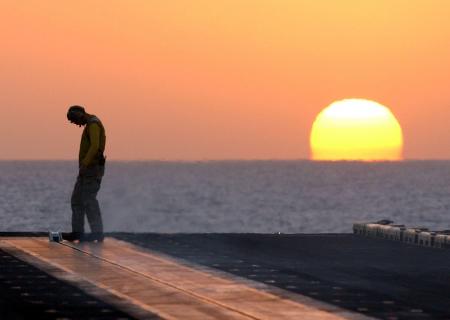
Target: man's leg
91,186
78,211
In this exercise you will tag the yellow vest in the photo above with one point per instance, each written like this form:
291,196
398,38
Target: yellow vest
93,141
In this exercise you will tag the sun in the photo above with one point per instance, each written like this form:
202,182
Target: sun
356,129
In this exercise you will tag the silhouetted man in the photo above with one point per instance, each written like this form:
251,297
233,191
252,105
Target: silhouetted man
91,170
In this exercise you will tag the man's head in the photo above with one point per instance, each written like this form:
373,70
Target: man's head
77,115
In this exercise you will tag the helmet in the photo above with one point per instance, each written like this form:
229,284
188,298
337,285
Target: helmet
75,113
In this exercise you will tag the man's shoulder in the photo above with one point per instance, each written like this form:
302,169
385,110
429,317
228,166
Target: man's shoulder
93,119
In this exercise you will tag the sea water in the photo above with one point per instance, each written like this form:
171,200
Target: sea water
231,196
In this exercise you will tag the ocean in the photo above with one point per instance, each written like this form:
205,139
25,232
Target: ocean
231,196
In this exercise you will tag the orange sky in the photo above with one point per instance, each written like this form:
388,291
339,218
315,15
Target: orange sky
218,79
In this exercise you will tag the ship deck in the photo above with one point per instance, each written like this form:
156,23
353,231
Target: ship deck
222,276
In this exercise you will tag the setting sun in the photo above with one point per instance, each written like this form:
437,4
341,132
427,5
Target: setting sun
356,129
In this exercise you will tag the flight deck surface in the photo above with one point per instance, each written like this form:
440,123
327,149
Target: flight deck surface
230,276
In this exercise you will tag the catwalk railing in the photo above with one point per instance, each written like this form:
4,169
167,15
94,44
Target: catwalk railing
386,229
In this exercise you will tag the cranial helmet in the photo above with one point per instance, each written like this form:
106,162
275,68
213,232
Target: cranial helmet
75,113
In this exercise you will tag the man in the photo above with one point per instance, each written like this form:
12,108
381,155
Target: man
91,170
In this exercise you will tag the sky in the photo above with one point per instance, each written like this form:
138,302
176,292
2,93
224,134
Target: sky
210,80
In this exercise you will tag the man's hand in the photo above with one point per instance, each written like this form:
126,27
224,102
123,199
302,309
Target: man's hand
83,170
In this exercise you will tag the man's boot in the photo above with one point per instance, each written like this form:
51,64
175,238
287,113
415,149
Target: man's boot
98,236
72,236
93,237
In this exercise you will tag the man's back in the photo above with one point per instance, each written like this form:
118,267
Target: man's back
93,142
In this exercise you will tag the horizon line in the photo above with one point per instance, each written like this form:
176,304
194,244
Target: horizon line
223,160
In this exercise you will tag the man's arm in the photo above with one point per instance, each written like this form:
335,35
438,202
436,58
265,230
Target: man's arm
94,137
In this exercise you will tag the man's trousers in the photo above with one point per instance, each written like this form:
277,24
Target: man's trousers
84,201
